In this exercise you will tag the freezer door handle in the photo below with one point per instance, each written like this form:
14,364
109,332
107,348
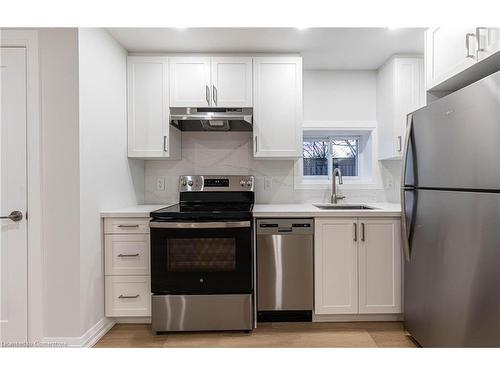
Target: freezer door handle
406,148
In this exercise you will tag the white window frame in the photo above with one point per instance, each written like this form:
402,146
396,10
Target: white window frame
368,169
329,138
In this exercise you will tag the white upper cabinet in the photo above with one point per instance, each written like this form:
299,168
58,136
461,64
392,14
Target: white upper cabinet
149,133
488,41
211,81
277,83
448,51
232,82
451,51
190,82
400,90
379,266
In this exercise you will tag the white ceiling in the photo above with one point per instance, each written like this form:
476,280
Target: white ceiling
321,48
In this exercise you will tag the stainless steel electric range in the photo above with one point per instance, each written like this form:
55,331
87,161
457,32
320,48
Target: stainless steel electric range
202,256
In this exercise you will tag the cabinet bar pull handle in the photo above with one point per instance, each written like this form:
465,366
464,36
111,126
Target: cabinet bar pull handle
256,144
207,94
480,46
122,296
165,143
127,255
355,226
128,226
467,45
363,232
214,89
400,143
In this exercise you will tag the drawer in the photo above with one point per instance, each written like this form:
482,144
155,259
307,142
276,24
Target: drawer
128,296
126,225
126,254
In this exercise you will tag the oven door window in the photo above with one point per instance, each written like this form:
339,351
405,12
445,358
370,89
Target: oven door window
204,261
201,254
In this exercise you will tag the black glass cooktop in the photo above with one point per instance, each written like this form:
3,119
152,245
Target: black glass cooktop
204,211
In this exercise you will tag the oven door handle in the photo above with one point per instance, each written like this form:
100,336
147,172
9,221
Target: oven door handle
198,225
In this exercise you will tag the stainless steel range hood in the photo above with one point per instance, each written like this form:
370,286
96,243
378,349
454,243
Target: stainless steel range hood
212,119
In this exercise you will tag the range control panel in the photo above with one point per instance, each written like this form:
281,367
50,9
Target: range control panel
216,183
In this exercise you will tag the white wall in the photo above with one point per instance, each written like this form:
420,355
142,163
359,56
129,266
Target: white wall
108,178
58,53
328,96
340,95
85,169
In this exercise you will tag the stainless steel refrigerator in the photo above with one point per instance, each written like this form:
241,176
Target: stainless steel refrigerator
451,219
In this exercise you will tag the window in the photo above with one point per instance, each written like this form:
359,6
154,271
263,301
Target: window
321,155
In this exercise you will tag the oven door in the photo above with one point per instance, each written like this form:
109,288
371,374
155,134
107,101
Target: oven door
201,257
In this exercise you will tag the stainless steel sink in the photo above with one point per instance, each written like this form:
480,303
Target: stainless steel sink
331,206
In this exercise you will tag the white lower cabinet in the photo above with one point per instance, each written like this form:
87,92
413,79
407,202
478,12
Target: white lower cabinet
127,267
128,296
335,266
379,266
357,266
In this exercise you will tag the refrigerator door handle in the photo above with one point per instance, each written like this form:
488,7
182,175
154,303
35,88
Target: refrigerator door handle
405,232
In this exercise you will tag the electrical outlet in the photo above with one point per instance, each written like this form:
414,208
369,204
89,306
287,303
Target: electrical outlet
268,183
389,183
160,183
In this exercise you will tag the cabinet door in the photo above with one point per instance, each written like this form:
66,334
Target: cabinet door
409,96
147,108
379,266
446,53
336,266
277,107
488,41
190,82
232,81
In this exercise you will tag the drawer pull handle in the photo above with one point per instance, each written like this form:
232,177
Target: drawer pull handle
128,255
122,296
128,226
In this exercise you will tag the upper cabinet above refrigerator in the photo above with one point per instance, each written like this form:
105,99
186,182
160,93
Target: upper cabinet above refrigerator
456,57
197,81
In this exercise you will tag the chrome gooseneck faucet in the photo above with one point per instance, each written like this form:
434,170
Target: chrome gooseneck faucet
335,197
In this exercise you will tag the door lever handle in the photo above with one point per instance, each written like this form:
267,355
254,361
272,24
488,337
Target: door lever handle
14,216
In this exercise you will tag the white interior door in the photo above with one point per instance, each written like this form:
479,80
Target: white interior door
13,197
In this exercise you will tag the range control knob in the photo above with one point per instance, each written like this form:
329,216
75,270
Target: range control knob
249,183
184,183
242,182
190,183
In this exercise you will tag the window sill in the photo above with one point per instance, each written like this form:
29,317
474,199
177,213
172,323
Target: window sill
349,184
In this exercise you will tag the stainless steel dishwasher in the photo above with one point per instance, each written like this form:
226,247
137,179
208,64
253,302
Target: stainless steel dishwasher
284,270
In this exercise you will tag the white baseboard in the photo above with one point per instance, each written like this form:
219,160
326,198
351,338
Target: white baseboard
358,318
87,340
133,320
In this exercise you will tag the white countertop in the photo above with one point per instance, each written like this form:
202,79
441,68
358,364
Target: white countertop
308,210
140,210
272,210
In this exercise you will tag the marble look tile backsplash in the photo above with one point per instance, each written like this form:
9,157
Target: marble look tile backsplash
231,153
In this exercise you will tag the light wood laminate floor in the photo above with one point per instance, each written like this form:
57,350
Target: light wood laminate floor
267,335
